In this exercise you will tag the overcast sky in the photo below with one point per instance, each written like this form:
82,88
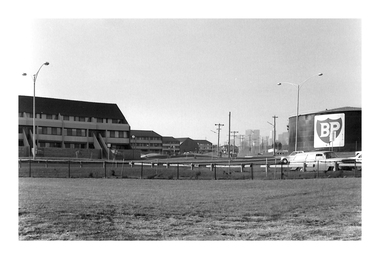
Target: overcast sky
179,77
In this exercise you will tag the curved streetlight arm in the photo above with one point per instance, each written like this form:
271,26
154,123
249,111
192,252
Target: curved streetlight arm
36,74
299,85
320,74
287,83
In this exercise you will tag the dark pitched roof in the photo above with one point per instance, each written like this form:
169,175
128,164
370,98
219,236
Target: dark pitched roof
169,139
203,141
70,107
183,139
145,133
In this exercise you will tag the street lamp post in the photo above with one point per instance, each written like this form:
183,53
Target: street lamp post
34,108
298,100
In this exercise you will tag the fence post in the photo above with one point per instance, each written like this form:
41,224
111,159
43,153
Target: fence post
335,166
275,169
318,169
281,173
30,168
266,167
251,165
122,167
215,172
177,171
141,172
69,176
105,169
355,168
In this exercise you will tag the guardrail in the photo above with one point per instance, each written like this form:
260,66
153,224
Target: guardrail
267,169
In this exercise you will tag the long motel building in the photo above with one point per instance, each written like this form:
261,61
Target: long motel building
73,128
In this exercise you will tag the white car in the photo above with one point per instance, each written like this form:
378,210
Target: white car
289,158
315,161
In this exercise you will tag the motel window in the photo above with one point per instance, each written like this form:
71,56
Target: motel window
42,130
49,116
55,144
66,118
112,134
56,131
79,118
80,132
99,120
69,132
79,145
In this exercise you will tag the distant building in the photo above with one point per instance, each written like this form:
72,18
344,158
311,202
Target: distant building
188,145
170,145
147,141
205,146
283,138
68,128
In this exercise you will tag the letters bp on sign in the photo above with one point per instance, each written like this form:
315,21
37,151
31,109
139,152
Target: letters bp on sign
329,130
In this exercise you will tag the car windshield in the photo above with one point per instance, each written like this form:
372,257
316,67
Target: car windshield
330,155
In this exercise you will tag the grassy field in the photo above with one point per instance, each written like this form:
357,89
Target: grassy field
133,209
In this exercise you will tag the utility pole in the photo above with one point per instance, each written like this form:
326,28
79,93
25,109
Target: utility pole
218,129
234,134
229,134
274,133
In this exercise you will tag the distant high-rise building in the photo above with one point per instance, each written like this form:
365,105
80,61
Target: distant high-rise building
284,138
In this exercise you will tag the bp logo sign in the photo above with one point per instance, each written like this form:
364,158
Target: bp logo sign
329,130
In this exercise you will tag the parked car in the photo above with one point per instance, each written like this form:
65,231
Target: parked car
356,159
350,163
315,161
287,159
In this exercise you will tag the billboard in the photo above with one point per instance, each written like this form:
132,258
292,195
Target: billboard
329,130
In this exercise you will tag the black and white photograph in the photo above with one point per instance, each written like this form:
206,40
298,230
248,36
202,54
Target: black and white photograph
190,130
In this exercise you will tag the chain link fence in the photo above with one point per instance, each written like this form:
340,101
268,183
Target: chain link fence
184,171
